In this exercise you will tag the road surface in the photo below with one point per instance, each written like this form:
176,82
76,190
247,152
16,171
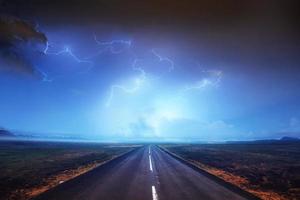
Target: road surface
147,173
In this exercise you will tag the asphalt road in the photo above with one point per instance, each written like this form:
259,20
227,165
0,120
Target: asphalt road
144,174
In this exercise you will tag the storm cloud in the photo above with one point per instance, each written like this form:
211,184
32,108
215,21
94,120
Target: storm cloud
19,40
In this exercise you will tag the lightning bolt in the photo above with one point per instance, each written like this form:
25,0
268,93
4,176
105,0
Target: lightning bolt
66,50
213,80
139,69
164,59
138,82
45,77
112,45
141,79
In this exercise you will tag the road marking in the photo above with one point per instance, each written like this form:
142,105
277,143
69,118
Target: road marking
150,163
154,194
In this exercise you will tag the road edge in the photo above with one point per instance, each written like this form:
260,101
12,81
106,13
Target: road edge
222,182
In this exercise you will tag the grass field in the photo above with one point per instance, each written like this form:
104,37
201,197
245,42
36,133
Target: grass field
29,168
268,170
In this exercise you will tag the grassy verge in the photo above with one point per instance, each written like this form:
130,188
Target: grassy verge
269,171
29,168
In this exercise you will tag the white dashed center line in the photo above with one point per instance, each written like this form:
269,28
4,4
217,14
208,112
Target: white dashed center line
154,194
150,163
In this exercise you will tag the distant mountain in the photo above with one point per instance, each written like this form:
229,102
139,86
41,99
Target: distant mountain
51,136
254,141
5,133
21,135
287,138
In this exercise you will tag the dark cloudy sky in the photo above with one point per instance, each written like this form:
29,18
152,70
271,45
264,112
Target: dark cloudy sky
210,70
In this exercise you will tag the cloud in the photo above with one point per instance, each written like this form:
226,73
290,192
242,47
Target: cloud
188,128
20,41
141,128
294,123
292,129
172,124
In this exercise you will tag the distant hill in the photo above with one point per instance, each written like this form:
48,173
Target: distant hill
287,138
5,133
